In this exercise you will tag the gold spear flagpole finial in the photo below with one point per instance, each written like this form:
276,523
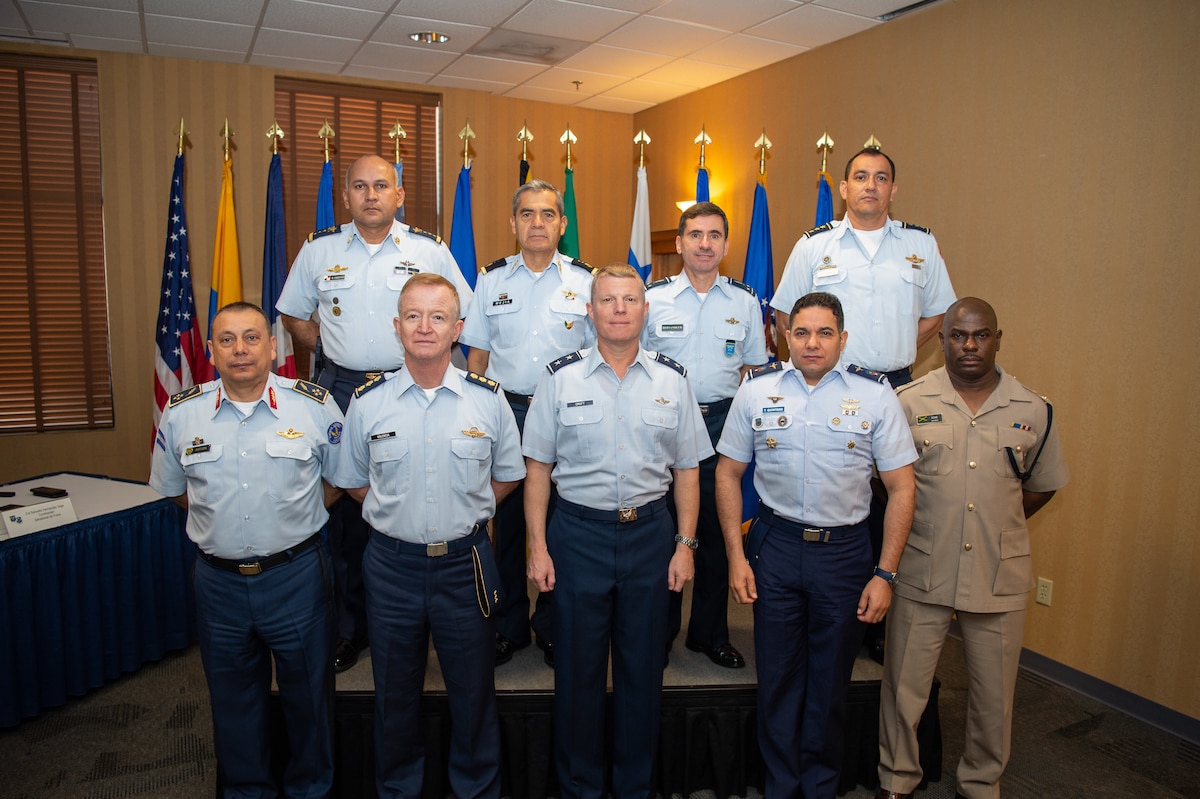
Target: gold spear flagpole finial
466,134
872,143
326,133
702,140
396,134
824,144
524,136
641,140
762,145
226,133
568,138
182,134
275,134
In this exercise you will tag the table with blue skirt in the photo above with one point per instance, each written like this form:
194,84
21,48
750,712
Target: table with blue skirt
85,602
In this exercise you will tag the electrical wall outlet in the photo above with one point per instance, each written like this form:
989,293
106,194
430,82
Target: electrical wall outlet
1045,588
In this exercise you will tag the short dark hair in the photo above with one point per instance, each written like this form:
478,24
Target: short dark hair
820,299
702,209
870,151
539,185
241,306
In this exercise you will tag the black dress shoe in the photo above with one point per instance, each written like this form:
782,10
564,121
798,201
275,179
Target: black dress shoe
724,655
505,647
344,656
884,793
547,652
875,650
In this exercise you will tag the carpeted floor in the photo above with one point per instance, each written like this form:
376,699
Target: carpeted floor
149,735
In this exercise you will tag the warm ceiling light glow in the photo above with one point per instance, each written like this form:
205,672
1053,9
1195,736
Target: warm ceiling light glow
429,37
683,205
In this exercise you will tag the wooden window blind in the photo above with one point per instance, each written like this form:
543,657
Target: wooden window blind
361,117
54,358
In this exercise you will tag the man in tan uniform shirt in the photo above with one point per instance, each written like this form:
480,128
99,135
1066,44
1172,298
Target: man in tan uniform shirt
989,459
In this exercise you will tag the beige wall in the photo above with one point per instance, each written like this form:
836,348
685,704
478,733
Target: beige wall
1048,145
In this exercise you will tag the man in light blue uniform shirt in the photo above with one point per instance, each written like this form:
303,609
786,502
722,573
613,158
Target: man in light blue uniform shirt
613,427
430,450
529,309
251,451
711,325
815,428
351,276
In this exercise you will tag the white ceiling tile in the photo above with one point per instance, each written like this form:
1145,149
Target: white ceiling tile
492,69
865,8
287,44
648,91
559,79
489,86
388,56
114,5
239,12
567,20
615,104
320,18
615,61
721,13
696,74
636,6
665,36
490,13
529,47
11,23
383,73
53,17
203,53
396,28
746,52
108,45
811,26
290,62
545,95
198,33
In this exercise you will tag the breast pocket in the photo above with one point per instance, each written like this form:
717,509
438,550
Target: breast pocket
773,438
330,287
851,439
391,466
397,278
203,470
935,448
471,461
582,431
1020,442
828,277
290,469
505,324
659,426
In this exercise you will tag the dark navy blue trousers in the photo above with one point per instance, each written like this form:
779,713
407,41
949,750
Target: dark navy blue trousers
410,597
610,597
242,622
806,635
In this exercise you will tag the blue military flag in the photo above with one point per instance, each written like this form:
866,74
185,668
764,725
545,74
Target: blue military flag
824,200
275,269
760,276
325,198
400,186
462,229
702,185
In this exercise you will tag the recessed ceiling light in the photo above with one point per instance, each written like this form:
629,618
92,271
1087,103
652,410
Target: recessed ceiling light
429,37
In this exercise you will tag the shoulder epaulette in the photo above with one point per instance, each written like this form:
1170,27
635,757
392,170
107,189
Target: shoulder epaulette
496,264
742,286
907,386
586,266
822,229
311,390
765,369
426,234
663,281
870,374
329,231
377,380
671,362
185,395
908,226
479,380
559,363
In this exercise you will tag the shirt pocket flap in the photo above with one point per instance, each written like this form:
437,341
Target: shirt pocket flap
661,417
289,449
1019,440
388,449
475,449
730,332
205,453
580,414
335,282
933,435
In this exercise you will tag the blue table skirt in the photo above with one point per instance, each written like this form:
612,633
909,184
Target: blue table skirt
87,602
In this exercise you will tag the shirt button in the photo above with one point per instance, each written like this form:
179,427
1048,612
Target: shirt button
243,454
972,464
245,518
970,506
622,477
973,423
245,486
967,547
927,442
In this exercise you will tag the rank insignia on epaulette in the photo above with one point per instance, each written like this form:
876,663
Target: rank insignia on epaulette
743,286
765,369
496,264
908,226
311,390
870,374
591,270
328,231
820,229
479,380
667,361
371,383
185,395
665,281
426,234
562,361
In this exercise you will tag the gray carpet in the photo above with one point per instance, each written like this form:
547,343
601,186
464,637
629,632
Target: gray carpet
149,734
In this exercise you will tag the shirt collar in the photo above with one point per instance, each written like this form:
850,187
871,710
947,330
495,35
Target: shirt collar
593,360
556,262
394,235
270,396
451,380
843,227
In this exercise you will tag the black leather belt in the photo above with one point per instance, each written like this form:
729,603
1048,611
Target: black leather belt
620,516
810,533
352,375
713,408
252,567
440,549
519,399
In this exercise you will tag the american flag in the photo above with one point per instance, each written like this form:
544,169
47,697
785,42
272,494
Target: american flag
179,360
275,269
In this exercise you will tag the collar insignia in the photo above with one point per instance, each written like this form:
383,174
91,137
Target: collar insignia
271,398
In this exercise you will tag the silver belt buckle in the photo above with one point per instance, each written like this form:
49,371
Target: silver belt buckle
437,550
816,534
249,569
625,515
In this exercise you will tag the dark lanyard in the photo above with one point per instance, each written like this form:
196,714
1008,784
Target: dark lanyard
1013,458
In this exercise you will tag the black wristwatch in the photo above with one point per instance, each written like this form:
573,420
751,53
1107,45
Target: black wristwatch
885,575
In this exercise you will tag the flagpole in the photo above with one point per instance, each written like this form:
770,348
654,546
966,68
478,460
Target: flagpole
640,257
569,243
701,171
824,213
524,136
325,216
396,134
